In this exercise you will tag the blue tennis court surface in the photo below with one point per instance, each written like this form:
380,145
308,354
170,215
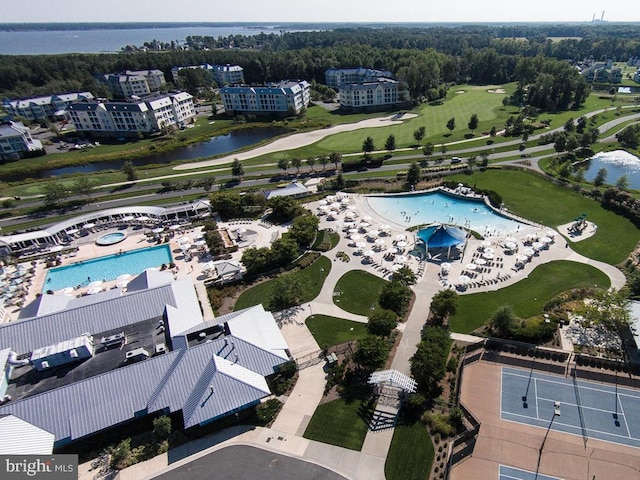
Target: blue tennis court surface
591,410
510,473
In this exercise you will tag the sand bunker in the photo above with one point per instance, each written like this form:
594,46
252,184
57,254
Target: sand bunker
460,91
496,90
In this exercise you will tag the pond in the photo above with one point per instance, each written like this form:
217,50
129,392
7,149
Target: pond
215,146
616,163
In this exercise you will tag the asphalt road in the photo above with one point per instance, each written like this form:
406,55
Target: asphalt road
241,462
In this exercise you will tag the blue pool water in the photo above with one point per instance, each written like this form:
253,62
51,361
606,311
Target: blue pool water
438,207
107,268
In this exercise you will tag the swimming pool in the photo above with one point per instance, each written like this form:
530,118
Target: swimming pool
439,207
111,238
107,268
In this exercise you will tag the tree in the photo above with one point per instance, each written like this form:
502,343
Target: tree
371,352
237,170
286,293
296,162
413,174
443,305
600,177
405,276
284,209
283,164
503,323
161,429
336,158
608,308
382,322
419,133
428,364
129,170
83,185
395,296
323,160
304,229
390,144
569,125
427,149
451,124
368,145
311,161
339,182
623,182
581,124
629,137
283,250
54,192
493,132
473,122
212,236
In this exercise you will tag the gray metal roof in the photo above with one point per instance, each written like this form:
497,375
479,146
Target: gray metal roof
22,438
27,335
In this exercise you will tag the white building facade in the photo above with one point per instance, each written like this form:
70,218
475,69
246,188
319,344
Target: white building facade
132,118
134,82
370,95
336,77
222,74
16,142
48,106
283,98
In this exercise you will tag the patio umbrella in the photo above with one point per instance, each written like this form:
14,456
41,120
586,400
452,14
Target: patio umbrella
127,218
124,276
368,253
360,244
72,231
198,236
352,230
480,261
510,245
546,240
385,227
367,218
185,246
95,284
374,233
511,239
445,266
200,243
529,252
395,267
536,245
331,198
56,248
379,241
392,251
551,233
531,236
143,218
364,224
322,203
522,258
335,206
67,290
464,279
488,256
489,250
352,207
174,227
158,230
401,244
400,237
184,239
400,259
241,231
89,225
350,214
94,290
355,238
122,284
471,266
486,243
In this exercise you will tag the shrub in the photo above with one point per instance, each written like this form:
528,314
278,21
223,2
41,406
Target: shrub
267,411
438,424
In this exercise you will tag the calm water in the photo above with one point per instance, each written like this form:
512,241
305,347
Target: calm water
108,40
215,146
437,207
107,268
616,163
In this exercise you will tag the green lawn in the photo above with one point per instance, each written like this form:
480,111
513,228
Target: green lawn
339,422
533,197
527,297
311,278
331,331
411,453
359,292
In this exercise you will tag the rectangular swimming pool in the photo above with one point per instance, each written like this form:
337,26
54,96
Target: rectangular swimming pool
107,268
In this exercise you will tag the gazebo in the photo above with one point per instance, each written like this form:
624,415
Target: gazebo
442,236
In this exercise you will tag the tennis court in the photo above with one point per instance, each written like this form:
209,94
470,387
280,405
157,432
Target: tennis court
591,410
510,473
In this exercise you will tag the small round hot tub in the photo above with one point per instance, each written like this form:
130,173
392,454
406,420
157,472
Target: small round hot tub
111,238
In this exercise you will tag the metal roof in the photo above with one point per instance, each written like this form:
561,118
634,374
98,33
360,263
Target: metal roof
22,438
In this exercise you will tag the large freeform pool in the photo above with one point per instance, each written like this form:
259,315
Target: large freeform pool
107,268
438,207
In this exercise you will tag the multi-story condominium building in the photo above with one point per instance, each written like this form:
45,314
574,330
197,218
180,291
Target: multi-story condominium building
222,74
134,82
48,106
16,142
602,72
636,76
336,77
283,98
379,94
132,118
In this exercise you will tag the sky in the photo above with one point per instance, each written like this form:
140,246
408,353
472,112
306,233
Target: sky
323,11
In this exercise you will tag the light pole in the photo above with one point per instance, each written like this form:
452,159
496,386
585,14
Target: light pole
556,413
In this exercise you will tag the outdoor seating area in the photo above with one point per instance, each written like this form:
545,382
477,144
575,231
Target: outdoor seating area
15,281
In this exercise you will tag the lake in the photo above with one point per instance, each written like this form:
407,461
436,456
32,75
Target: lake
617,163
215,146
35,42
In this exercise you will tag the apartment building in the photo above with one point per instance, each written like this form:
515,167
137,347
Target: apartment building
133,83
283,98
16,142
47,106
336,77
378,94
222,74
